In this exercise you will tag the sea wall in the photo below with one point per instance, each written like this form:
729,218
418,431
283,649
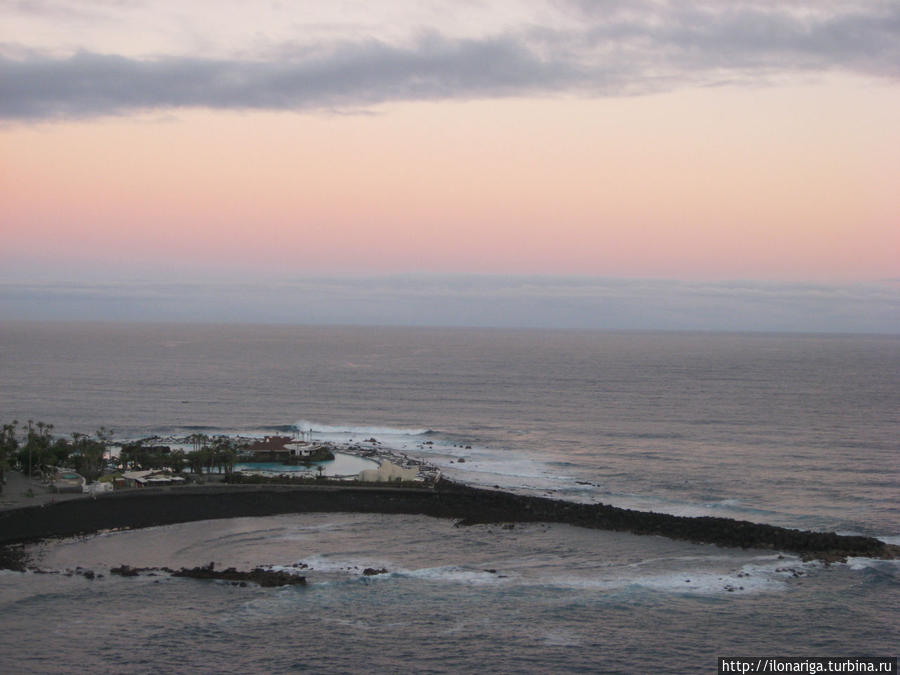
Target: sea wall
161,506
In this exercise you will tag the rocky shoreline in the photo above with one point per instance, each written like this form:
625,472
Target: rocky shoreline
467,505
260,576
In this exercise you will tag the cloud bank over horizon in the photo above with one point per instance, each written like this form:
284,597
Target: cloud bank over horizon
559,48
473,301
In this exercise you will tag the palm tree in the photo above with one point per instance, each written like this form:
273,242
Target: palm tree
8,445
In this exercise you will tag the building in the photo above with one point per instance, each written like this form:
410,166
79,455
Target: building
149,478
387,472
285,450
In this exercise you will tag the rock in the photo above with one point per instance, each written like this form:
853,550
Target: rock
124,571
13,558
263,577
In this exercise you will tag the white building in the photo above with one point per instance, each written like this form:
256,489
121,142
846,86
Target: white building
388,471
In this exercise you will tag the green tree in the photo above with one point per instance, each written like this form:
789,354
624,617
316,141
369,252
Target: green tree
177,461
196,460
198,441
225,454
134,455
36,451
125,456
9,443
60,452
88,454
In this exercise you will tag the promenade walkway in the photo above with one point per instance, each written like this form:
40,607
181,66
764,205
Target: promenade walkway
15,493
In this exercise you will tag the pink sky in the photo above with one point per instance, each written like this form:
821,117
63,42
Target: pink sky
790,181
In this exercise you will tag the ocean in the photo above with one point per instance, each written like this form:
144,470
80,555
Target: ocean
794,430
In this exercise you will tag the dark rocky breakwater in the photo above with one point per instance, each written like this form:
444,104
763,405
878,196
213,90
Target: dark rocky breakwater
260,576
468,505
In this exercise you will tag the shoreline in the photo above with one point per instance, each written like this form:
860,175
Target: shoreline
149,507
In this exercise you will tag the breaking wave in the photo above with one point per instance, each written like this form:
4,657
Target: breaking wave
306,426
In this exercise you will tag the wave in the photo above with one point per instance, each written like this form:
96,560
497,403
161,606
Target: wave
767,575
354,567
285,428
337,564
888,568
306,426
763,576
457,574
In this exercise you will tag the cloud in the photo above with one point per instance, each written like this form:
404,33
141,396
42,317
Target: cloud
594,49
475,301
357,74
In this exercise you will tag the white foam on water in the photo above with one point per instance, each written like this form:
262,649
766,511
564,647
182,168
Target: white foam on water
289,569
692,582
516,474
680,558
319,429
484,466
765,574
458,575
325,563
858,564
712,583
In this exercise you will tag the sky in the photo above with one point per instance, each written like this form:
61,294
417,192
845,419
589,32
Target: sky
588,164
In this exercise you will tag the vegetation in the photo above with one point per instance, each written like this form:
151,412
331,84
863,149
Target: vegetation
218,454
33,449
36,451
8,446
87,454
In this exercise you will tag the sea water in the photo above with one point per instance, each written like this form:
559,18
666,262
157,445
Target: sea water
793,430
